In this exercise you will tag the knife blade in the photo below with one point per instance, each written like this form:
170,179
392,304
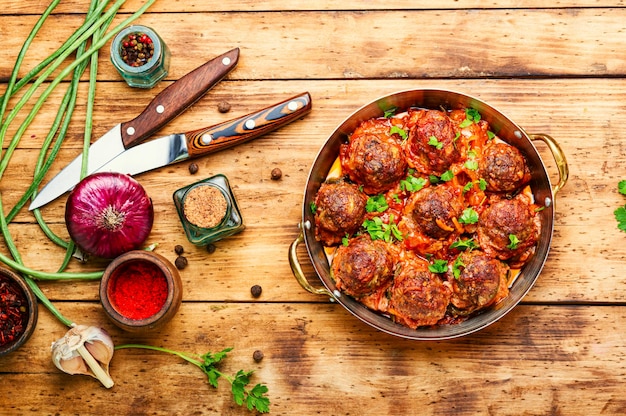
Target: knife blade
175,148
163,108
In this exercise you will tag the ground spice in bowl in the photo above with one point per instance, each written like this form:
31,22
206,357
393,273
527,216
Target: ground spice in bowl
138,290
205,206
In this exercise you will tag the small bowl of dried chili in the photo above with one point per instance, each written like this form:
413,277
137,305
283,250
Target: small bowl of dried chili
140,291
208,210
18,311
140,56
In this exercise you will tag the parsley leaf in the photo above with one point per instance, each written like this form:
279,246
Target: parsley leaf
471,116
378,230
390,112
620,216
432,140
376,203
482,184
468,244
412,184
313,207
514,242
469,216
490,135
439,266
399,131
447,176
471,164
621,187
345,240
456,267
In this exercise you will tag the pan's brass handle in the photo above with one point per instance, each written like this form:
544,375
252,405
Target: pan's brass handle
559,158
297,269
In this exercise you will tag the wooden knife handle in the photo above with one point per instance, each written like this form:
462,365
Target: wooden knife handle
177,97
230,133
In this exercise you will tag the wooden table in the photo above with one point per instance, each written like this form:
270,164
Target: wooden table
558,71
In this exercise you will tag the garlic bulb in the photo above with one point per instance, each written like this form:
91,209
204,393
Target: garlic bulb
85,350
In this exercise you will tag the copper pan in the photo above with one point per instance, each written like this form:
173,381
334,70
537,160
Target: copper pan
544,193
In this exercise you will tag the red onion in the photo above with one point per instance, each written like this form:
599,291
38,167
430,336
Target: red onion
108,214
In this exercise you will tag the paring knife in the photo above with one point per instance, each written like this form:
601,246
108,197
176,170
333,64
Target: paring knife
163,108
178,147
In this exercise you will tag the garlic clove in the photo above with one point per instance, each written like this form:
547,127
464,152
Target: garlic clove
85,350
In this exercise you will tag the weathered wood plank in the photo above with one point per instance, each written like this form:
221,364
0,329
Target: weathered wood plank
76,6
540,358
375,44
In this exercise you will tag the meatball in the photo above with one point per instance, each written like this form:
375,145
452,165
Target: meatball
431,147
363,266
417,296
508,229
503,167
340,208
477,281
432,209
373,157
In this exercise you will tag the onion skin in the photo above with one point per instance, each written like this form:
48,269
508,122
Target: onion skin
108,214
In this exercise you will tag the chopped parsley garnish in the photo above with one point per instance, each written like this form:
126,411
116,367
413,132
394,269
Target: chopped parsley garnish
471,164
345,240
490,135
378,230
412,184
439,266
313,207
468,186
469,216
471,116
447,176
432,140
399,131
390,112
457,266
513,242
482,184
376,203
621,187
396,198
468,244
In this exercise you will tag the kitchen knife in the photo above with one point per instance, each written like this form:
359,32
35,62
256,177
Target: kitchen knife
178,147
163,108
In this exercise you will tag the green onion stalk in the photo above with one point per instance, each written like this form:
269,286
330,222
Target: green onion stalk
85,43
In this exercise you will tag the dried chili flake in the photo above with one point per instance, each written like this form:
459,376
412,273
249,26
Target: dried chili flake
13,311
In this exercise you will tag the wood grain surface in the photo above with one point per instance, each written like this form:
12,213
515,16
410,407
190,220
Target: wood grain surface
553,67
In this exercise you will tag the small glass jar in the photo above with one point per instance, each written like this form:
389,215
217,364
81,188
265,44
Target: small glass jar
218,226
133,61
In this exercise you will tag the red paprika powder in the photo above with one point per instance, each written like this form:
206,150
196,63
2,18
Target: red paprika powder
13,311
138,289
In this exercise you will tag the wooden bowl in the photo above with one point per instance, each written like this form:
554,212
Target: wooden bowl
16,282
140,291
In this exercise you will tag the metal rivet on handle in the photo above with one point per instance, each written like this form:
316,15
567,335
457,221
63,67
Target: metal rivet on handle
250,124
160,109
292,106
226,60
548,201
130,131
206,138
518,134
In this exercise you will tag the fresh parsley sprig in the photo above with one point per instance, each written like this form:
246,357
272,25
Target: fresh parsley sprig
376,203
253,398
379,230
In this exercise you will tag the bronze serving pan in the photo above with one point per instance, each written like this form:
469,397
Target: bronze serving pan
506,129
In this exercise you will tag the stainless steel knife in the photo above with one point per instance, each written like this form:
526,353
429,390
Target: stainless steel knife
178,147
163,108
